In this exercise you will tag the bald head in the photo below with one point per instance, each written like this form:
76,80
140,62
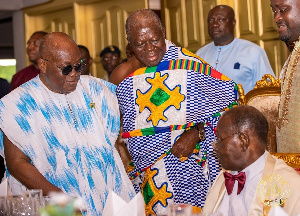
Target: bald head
56,42
229,11
60,63
242,137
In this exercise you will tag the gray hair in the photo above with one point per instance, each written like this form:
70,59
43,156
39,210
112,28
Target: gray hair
139,16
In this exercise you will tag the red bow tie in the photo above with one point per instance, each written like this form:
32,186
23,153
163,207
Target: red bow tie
230,179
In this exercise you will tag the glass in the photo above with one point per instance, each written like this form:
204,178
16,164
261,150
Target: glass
45,201
35,200
19,205
68,69
180,210
214,143
2,206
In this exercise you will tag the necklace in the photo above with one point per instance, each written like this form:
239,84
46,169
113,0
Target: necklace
71,111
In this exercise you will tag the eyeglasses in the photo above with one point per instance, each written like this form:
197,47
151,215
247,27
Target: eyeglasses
68,69
214,143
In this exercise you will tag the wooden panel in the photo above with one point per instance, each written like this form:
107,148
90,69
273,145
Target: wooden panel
173,21
105,25
192,17
186,22
276,52
247,19
206,6
57,20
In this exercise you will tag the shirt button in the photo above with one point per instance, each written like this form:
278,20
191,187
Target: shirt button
219,50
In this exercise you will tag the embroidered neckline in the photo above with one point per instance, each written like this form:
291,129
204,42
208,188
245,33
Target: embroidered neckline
287,85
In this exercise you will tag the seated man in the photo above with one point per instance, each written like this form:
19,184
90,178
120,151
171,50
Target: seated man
261,177
60,129
174,93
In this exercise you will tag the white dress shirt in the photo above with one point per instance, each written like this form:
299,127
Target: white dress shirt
238,205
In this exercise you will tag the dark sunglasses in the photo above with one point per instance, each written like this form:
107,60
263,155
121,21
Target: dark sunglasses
68,69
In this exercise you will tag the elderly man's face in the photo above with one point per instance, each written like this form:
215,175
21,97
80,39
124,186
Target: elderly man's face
287,18
228,147
33,45
220,26
55,80
148,43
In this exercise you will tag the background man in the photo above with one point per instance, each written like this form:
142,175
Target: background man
88,60
33,70
174,92
241,148
286,16
242,61
59,129
110,59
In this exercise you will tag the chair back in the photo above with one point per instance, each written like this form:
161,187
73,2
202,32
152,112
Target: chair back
265,97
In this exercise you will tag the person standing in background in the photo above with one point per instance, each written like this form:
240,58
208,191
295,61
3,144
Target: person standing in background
88,60
242,61
287,16
110,59
32,70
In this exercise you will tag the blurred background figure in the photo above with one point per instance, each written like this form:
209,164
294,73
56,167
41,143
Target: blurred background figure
4,89
85,56
32,70
242,61
110,59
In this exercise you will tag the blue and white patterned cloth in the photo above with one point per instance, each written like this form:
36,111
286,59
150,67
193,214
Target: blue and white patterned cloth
69,138
168,180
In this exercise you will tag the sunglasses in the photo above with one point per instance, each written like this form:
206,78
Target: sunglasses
68,69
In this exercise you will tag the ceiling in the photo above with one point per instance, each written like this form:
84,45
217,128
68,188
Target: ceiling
7,7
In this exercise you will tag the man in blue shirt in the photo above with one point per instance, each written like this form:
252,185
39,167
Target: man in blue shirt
242,61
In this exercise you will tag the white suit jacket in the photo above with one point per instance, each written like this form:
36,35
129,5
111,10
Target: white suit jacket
272,166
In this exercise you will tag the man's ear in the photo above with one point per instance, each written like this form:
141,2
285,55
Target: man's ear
233,22
42,65
90,61
245,141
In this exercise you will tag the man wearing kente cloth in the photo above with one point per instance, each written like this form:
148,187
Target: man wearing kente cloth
286,16
168,108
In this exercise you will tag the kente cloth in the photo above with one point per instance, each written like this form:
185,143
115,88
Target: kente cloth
70,138
23,76
158,104
288,124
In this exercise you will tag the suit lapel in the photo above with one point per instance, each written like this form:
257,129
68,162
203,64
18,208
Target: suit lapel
257,206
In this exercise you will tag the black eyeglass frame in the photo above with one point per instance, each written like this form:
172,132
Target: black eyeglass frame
68,69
